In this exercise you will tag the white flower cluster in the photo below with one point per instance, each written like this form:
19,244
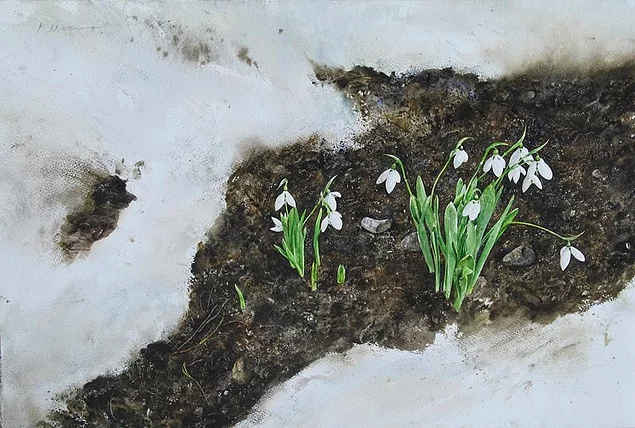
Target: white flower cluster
536,168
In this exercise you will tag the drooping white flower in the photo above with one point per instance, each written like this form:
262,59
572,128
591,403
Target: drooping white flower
277,225
460,157
543,169
283,199
515,173
472,209
391,177
496,163
334,219
520,155
330,201
565,255
531,178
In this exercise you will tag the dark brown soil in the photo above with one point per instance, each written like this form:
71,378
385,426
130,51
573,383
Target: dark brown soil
96,218
220,361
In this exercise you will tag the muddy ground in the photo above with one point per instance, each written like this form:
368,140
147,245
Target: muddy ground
220,361
96,217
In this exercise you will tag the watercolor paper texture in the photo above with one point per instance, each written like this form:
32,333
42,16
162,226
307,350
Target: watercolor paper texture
171,94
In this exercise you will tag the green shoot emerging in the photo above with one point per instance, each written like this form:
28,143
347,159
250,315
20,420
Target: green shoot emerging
341,274
241,298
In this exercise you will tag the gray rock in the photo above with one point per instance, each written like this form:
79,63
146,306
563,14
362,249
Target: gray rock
240,371
520,256
410,242
597,174
376,226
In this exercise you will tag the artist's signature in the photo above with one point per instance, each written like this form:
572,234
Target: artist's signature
59,28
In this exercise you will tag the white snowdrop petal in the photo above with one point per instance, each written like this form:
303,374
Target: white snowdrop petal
488,164
394,174
335,219
290,200
459,158
498,165
565,257
577,253
330,201
544,170
336,194
383,176
279,201
390,185
536,181
526,183
324,224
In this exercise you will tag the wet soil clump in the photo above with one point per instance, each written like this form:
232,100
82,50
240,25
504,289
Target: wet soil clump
96,218
221,360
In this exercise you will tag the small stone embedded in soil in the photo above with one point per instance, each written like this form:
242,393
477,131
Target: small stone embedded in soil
376,226
410,242
521,256
240,371
597,174
628,119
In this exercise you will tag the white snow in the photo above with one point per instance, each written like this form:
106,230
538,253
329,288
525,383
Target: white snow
83,86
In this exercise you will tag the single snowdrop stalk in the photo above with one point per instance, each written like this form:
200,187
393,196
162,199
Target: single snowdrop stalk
277,225
565,255
515,173
472,209
333,219
285,198
496,163
329,200
391,177
460,157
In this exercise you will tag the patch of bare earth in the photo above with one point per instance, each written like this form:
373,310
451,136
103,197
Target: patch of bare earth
220,360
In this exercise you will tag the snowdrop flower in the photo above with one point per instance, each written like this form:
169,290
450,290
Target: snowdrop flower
472,209
531,178
334,219
330,201
277,225
543,169
521,154
460,157
496,163
515,173
283,199
565,255
391,177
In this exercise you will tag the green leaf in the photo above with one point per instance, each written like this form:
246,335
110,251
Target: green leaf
414,209
458,194
488,202
492,237
421,189
316,238
450,225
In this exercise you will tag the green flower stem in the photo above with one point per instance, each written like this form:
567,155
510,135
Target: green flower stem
551,232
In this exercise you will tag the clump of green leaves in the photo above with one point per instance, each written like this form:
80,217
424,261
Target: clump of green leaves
457,242
293,226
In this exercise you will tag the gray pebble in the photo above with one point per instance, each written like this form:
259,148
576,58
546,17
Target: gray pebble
376,226
520,256
410,242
